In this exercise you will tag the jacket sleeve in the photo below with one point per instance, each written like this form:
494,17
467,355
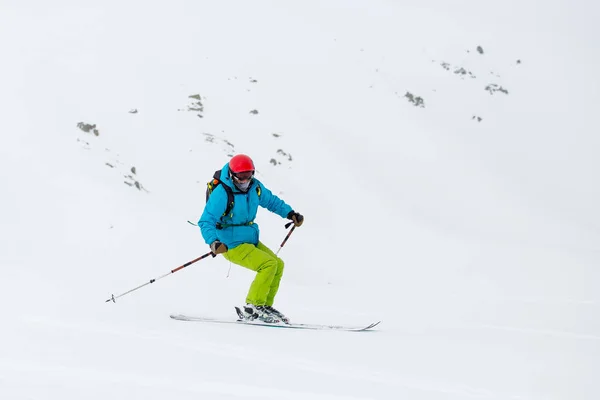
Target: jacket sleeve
273,203
214,209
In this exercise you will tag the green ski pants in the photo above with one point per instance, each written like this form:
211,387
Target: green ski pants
268,267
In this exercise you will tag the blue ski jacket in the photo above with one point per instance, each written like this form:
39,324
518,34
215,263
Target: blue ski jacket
238,226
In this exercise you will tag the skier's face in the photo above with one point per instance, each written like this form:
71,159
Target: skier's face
242,177
242,180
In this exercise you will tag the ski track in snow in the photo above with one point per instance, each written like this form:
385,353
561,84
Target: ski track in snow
57,373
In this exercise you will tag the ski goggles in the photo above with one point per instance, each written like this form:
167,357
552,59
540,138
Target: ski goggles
242,177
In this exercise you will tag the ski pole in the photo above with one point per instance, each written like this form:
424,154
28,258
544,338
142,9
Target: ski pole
287,236
113,297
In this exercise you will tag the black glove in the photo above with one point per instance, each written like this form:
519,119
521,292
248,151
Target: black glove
297,218
217,247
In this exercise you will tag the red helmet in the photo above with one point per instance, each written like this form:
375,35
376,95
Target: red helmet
241,163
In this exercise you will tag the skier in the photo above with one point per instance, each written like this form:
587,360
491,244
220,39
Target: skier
232,232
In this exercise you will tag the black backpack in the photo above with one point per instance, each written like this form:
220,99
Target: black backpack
216,181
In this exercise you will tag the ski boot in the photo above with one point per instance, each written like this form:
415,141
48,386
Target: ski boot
277,314
250,312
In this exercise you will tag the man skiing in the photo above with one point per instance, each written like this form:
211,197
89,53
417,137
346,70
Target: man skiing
230,230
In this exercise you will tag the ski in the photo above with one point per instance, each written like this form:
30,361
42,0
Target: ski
181,317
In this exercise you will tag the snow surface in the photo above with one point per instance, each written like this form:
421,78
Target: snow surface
476,243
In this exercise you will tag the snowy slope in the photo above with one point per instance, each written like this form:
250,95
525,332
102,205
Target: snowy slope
476,241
